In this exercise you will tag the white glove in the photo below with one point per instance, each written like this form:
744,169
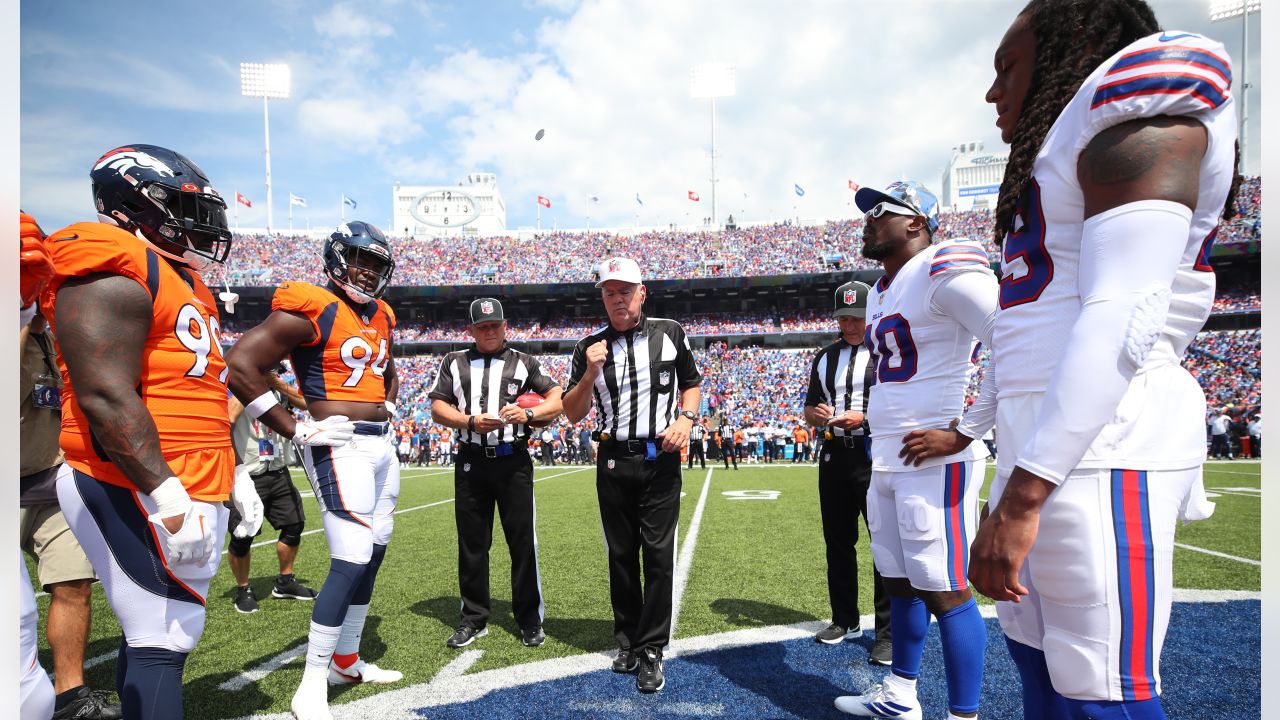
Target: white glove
391,409
334,431
244,495
194,543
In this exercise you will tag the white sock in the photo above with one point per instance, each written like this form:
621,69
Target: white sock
953,716
352,629
901,685
320,644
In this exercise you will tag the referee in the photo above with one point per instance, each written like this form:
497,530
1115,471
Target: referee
836,403
645,383
475,393
697,444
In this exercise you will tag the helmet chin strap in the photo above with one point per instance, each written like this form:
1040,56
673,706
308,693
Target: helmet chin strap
356,295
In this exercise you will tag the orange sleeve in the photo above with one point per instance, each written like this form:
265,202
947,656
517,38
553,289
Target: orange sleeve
87,248
301,298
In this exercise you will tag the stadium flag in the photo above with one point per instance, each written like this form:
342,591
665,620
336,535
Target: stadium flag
243,200
638,200
595,199
694,196
854,186
544,202
348,201
799,191
295,200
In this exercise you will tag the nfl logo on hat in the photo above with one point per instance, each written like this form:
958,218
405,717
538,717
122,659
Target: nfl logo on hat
486,307
614,266
850,297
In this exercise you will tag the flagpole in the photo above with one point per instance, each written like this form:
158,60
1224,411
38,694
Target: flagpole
539,211
236,216
342,207
290,213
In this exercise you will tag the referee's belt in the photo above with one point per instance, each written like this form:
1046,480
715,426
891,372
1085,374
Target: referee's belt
648,448
376,429
502,449
849,441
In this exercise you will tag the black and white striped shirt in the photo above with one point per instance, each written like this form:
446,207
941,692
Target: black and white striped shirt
637,394
840,377
479,384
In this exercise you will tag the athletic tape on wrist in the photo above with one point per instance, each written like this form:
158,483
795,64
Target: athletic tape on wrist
171,498
261,404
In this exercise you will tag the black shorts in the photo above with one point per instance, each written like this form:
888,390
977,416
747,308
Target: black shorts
281,503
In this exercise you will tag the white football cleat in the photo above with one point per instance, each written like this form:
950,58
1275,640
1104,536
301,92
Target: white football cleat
362,672
881,702
311,701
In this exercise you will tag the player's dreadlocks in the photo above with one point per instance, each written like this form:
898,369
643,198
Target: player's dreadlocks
1072,38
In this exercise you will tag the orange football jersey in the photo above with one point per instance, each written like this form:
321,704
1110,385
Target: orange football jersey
352,348
184,378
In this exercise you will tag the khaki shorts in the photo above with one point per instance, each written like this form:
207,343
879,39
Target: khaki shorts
45,535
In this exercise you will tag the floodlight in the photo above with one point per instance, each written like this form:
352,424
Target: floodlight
264,80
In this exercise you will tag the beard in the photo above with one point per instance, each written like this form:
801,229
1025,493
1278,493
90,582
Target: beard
876,250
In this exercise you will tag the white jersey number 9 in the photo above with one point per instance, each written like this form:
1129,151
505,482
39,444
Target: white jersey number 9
358,363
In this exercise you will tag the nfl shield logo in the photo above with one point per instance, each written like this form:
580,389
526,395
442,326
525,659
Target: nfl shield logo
826,457
850,297
513,388
614,266
664,377
611,464
486,307
466,467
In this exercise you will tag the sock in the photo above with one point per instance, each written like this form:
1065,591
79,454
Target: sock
364,590
61,699
339,587
1115,709
153,685
320,644
352,629
964,643
909,619
1039,700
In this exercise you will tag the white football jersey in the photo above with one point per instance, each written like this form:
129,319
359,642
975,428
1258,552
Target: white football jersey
921,356
1169,73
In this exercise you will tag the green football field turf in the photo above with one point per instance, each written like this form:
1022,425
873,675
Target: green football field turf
757,560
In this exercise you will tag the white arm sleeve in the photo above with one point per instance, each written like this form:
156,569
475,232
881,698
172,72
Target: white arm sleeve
970,299
1128,258
981,416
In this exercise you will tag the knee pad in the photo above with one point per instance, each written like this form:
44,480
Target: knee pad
239,546
291,535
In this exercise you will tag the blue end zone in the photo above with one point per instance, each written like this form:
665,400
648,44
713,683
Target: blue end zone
1210,663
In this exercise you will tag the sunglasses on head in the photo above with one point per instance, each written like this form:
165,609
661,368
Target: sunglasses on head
886,206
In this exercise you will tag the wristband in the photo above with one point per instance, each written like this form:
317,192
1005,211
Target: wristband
471,423
261,404
171,498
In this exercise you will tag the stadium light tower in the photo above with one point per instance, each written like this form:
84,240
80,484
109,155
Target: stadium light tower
265,81
708,82
1220,10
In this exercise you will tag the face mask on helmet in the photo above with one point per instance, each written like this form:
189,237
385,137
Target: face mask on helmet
196,225
362,271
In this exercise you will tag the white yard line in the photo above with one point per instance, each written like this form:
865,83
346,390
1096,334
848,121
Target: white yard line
685,561
1215,553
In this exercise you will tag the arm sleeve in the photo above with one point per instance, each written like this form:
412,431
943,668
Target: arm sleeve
577,365
443,389
687,373
1128,258
814,396
541,382
981,416
970,297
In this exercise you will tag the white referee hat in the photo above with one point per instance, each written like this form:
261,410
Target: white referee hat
619,268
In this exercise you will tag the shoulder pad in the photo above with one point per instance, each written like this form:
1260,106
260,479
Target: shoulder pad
94,247
958,255
302,297
1171,73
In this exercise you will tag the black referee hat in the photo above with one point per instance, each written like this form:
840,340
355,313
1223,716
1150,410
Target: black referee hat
851,299
486,310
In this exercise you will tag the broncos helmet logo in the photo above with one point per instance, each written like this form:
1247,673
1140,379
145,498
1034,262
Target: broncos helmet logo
123,159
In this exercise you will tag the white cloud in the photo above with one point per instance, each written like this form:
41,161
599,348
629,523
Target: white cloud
343,20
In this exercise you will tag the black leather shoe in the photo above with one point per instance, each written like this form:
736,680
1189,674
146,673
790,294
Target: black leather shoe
881,652
625,662
465,636
532,637
650,678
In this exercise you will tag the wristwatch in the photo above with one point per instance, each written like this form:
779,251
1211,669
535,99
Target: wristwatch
528,413
688,414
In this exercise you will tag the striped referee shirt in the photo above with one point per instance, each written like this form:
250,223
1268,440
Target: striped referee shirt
840,377
479,384
637,394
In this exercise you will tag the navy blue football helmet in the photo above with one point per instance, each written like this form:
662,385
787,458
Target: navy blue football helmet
166,199
357,257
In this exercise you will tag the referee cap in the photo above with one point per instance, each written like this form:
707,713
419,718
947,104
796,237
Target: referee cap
851,299
619,268
486,310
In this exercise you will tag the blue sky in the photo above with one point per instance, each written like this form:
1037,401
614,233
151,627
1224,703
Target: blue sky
425,92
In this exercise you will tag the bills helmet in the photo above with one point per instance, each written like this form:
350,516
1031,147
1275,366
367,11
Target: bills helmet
357,258
165,199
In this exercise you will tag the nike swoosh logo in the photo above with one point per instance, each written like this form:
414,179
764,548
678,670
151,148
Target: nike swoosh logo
65,238
1166,37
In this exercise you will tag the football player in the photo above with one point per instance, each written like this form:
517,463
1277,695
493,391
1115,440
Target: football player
923,317
338,338
149,459
1121,168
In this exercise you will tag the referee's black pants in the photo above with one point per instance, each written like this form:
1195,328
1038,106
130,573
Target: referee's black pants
844,477
727,453
480,482
639,510
696,449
